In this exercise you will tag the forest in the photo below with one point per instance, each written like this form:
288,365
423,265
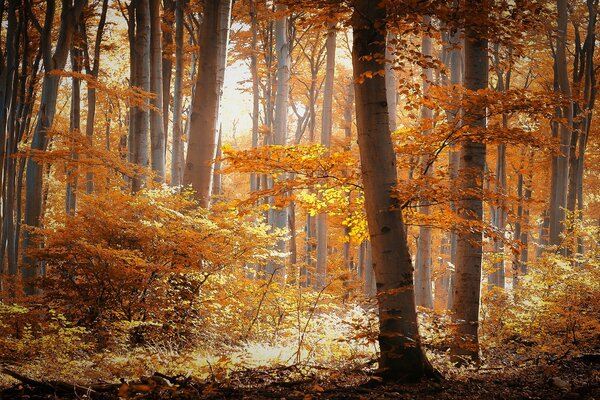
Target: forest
299,199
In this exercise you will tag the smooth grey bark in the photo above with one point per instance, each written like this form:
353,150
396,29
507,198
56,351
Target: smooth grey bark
467,284
75,128
167,64
280,217
423,262
401,355
254,179
326,131
455,49
391,83
70,13
560,166
498,276
177,144
139,39
157,131
204,120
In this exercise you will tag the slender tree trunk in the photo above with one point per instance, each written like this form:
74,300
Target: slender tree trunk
401,355
254,179
157,131
91,90
281,110
560,170
139,35
454,117
204,121
467,284
75,128
167,65
326,130
177,149
423,260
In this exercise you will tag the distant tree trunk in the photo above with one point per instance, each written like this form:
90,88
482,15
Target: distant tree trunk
139,40
254,179
93,70
498,275
177,148
281,110
70,14
75,129
157,131
326,130
560,164
348,121
423,261
469,250
401,355
204,121
167,64
456,78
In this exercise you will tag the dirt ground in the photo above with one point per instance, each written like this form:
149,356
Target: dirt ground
566,379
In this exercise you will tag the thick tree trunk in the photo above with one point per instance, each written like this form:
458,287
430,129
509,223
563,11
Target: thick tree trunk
204,121
467,283
391,83
326,130
177,144
401,355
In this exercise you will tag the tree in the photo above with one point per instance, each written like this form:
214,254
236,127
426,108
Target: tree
70,13
326,130
467,284
423,260
204,119
177,145
157,130
401,355
139,42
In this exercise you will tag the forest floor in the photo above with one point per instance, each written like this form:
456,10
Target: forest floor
577,378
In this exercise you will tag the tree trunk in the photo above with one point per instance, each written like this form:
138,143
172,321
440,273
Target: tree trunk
254,179
423,259
75,129
401,355
560,165
157,131
33,201
453,116
204,121
326,130
91,90
177,149
469,251
139,36
167,65
279,216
